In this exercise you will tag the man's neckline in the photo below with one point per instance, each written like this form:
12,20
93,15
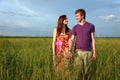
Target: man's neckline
83,24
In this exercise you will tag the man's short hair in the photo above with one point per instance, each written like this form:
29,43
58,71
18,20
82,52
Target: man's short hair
81,11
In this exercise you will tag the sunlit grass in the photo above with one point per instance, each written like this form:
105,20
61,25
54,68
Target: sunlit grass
31,59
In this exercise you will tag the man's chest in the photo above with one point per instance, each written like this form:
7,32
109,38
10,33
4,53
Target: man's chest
80,31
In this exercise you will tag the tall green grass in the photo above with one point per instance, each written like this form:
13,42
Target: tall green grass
31,59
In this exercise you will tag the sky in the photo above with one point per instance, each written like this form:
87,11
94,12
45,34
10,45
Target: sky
39,17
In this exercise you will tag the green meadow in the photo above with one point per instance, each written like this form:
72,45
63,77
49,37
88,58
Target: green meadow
31,59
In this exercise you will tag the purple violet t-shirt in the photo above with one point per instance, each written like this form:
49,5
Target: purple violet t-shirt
83,36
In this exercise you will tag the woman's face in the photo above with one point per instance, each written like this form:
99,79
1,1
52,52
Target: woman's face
65,21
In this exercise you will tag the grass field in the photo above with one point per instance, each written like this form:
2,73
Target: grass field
31,59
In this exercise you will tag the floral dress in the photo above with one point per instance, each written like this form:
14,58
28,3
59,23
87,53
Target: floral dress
61,48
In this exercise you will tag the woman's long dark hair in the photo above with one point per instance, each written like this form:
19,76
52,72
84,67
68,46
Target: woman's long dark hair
60,25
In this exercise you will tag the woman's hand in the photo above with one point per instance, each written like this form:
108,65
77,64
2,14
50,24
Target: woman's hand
53,59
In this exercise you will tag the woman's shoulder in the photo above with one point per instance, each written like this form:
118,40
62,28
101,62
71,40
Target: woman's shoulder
70,30
55,29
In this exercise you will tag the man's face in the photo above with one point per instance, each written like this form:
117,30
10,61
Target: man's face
79,17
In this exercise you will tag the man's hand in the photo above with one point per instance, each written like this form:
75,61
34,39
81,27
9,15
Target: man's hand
94,56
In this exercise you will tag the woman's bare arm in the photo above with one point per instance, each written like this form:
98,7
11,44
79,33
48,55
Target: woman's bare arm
54,40
71,41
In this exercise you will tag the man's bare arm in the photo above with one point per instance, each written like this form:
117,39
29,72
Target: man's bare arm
93,45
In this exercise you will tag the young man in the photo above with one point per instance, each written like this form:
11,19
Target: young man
84,45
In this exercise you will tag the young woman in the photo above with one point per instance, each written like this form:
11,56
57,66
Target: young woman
61,36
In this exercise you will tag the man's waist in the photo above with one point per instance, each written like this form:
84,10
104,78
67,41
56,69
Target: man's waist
83,48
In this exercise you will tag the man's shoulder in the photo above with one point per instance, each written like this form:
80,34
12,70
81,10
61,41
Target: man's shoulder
75,26
90,24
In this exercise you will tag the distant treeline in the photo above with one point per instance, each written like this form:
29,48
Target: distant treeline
25,37
41,37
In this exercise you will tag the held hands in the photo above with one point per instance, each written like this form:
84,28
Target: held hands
69,54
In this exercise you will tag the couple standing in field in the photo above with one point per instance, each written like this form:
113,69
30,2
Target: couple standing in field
63,40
